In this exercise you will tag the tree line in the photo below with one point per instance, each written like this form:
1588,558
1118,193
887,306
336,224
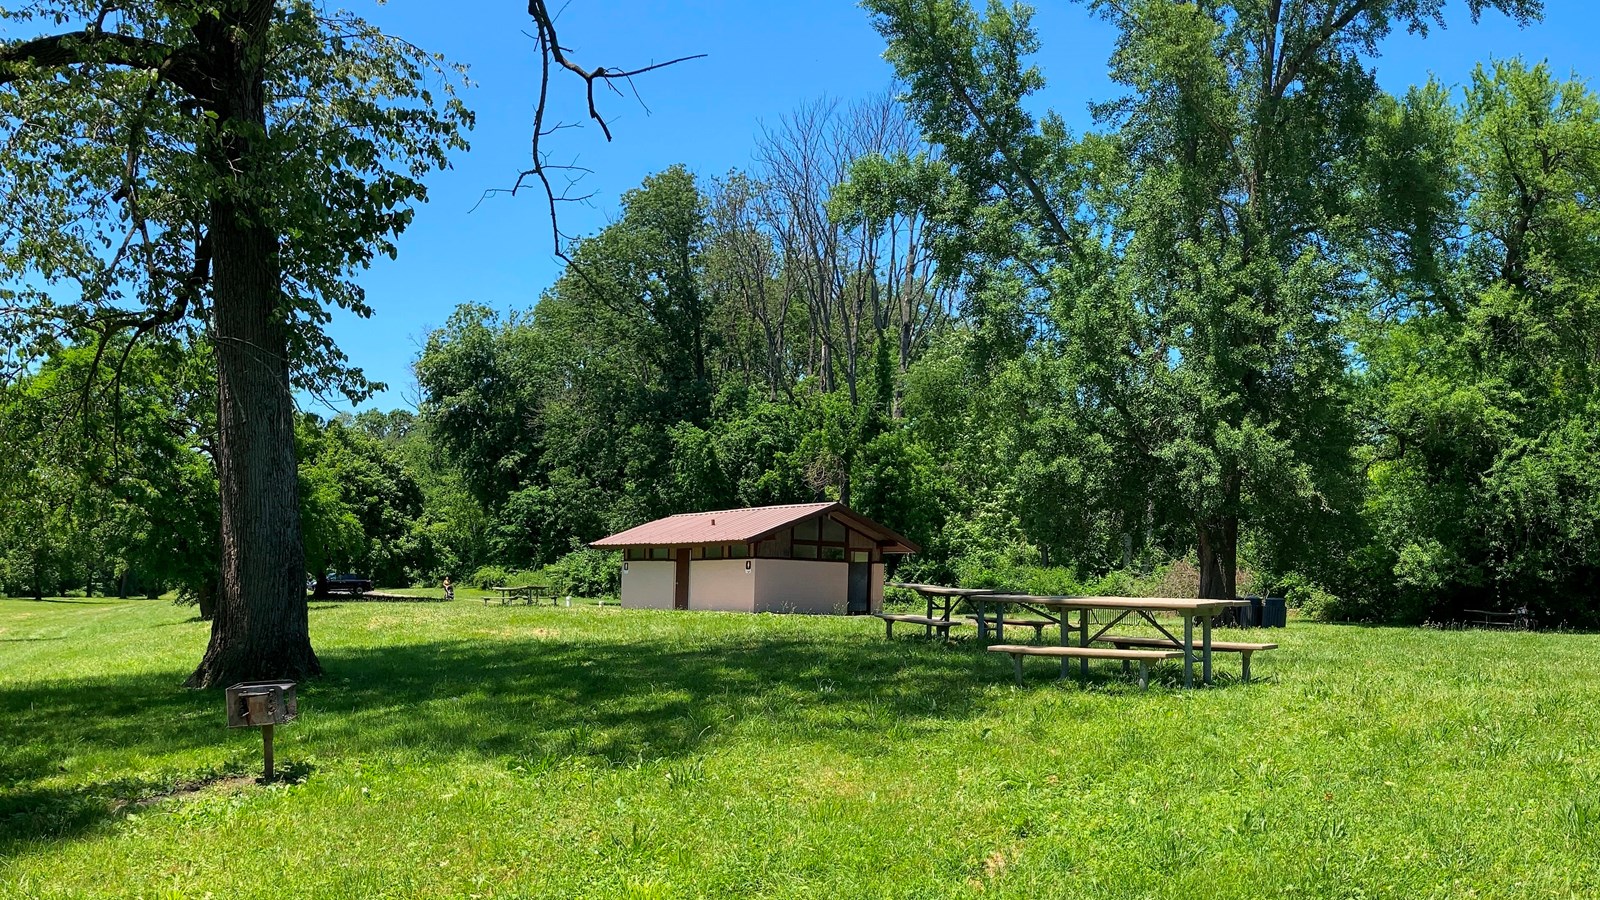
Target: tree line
1263,316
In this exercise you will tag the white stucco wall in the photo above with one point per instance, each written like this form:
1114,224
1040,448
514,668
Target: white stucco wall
801,586
648,584
722,584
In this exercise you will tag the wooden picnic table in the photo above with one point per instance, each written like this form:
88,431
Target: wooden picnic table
945,598
1491,618
1190,609
527,593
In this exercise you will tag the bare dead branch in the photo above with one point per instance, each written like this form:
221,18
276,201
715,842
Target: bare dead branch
552,55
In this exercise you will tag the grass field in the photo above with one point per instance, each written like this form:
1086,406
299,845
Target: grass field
458,750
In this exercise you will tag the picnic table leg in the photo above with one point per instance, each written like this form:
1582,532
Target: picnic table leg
1188,651
1016,660
1083,640
1246,656
1205,640
888,629
1000,622
1144,674
927,630
983,623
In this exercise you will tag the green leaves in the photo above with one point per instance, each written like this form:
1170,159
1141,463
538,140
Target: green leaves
106,174
1484,478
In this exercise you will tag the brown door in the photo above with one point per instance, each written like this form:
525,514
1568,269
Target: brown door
680,584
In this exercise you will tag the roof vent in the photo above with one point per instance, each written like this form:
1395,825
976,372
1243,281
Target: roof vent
713,521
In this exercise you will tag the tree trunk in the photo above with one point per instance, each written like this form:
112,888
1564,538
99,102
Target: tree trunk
207,598
898,412
260,630
1219,557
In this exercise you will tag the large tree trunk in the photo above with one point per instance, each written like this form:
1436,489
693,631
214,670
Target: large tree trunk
261,629
1219,557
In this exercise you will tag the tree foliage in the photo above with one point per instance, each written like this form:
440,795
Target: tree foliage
1264,317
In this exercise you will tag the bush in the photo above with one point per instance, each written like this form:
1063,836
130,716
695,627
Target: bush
488,577
586,573
1299,592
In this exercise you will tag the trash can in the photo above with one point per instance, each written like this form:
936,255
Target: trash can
1250,617
1275,613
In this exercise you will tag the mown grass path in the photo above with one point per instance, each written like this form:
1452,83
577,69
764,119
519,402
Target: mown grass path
456,750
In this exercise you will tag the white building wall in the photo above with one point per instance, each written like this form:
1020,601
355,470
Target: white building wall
801,586
722,584
875,603
648,584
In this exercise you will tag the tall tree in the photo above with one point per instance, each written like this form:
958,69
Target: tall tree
1200,258
228,165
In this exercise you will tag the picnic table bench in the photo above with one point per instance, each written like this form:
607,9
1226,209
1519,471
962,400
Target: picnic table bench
1143,657
527,593
929,623
1244,649
1000,623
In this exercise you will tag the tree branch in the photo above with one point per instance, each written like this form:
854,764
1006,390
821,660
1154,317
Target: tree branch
551,53
76,48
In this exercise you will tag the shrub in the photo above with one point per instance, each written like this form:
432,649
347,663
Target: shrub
1299,592
488,577
586,573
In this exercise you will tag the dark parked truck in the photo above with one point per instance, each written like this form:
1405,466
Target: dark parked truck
342,583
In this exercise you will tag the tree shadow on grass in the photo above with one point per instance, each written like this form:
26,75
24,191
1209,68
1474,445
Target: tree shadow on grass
74,601
622,701
514,700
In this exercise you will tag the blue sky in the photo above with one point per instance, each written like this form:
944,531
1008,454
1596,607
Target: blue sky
764,59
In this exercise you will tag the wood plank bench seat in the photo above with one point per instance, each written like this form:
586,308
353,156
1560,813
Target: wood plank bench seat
1143,657
1243,648
943,626
1038,625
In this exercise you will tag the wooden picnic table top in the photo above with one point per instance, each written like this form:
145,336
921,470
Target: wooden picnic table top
1149,604
939,590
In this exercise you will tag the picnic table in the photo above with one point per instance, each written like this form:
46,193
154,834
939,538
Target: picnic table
941,599
1520,619
1060,609
527,593
944,598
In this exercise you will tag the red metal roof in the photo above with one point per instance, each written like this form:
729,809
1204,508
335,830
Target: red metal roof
741,525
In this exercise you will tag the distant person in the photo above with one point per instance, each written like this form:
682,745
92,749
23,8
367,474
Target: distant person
449,589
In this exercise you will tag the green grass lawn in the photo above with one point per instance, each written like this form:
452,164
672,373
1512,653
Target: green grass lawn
458,750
